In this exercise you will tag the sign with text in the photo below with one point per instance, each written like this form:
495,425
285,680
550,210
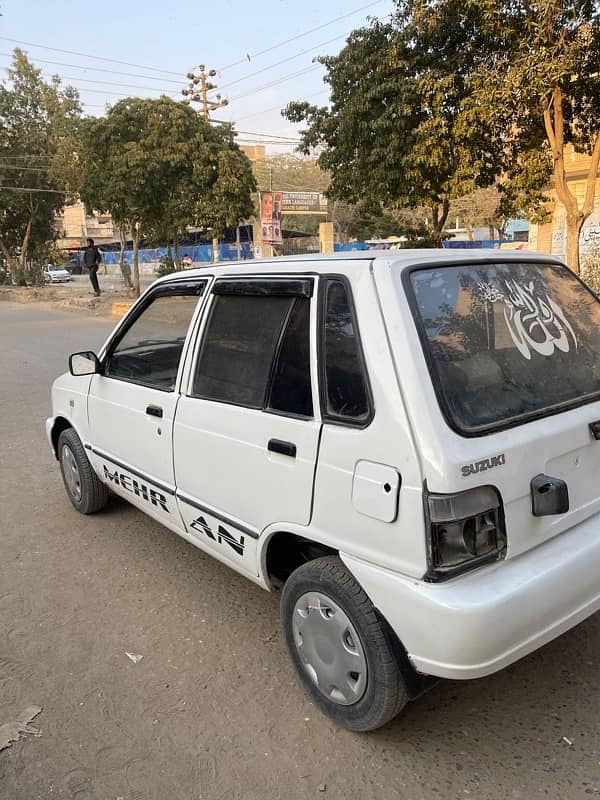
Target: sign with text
270,216
304,203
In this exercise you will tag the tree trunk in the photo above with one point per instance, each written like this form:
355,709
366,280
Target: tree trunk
215,249
7,256
574,225
439,217
491,231
25,245
123,266
554,125
176,249
136,262
469,232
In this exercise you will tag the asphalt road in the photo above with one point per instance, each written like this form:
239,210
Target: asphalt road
213,711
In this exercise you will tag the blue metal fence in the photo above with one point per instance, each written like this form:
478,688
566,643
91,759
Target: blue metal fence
202,253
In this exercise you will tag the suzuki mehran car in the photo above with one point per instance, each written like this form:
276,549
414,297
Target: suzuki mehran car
405,444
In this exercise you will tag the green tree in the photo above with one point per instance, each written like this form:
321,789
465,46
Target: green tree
483,207
222,181
159,167
38,134
394,134
533,80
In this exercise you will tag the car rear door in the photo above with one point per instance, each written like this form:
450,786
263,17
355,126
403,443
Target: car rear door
131,406
247,429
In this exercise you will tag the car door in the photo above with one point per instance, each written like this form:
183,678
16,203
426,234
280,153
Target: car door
246,433
131,406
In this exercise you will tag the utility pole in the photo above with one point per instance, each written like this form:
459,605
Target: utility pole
198,89
192,95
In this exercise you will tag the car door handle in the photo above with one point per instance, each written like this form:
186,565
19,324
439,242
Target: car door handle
285,448
154,411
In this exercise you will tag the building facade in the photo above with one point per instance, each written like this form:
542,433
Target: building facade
552,237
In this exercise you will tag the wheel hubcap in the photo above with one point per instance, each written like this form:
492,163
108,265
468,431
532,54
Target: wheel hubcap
329,648
71,472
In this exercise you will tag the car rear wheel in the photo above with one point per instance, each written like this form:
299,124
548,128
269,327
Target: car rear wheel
342,651
85,491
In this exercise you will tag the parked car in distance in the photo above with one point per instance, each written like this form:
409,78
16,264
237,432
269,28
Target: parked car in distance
53,273
406,444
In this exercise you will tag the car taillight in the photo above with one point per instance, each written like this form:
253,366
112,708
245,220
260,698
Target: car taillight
466,530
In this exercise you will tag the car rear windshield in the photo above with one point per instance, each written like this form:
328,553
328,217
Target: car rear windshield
507,342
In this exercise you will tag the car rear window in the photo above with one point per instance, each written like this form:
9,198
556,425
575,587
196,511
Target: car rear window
507,342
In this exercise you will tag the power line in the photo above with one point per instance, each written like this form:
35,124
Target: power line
269,141
278,107
285,78
87,55
106,83
284,61
24,189
24,169
299,36
268,135
96,69
29,155
110,92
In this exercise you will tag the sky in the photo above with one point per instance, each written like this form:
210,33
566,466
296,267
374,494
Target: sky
162,40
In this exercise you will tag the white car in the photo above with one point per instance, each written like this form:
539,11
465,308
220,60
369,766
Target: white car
406,444
56,274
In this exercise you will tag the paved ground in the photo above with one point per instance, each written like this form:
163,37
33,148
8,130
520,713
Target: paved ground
213,710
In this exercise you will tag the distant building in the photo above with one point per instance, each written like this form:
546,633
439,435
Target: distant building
74,226
255,152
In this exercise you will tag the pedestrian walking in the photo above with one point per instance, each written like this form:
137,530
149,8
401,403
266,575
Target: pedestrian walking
91,259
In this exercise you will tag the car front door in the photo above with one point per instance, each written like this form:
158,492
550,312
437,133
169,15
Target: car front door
131,406
246,433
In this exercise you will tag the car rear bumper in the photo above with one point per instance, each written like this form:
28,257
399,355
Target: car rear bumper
479,623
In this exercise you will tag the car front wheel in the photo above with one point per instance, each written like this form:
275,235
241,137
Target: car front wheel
342,651
85,491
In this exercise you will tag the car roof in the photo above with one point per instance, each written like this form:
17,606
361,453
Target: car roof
317,263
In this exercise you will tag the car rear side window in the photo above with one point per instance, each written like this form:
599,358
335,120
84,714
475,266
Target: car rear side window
149,350
345,393
507,342
291,391
257,347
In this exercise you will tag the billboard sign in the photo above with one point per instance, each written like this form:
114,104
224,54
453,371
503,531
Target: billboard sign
304,203
270,216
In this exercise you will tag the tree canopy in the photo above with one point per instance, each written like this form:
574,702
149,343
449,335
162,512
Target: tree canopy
394,134
451,96
533,79
38,131
157,166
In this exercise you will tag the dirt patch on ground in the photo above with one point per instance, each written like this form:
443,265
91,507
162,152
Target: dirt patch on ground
67,298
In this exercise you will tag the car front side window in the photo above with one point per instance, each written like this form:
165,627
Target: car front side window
148,352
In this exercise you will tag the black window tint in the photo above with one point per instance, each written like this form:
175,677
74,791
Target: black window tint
346,392
150,349
291,388
238,348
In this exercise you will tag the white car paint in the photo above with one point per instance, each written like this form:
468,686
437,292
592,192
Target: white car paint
56,274
211,464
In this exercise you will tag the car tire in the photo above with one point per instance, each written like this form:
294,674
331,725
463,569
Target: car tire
344,653
84,489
